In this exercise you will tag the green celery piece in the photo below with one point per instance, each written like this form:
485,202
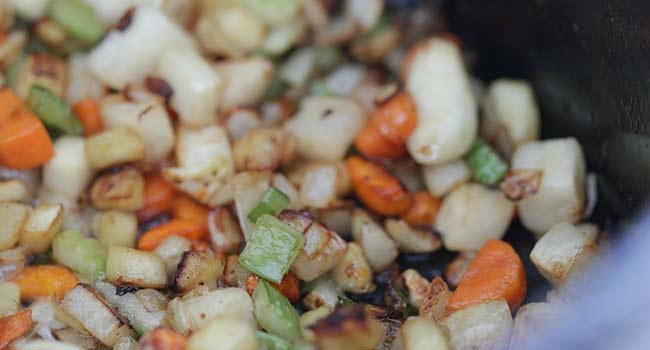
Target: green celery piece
273,11
53,111
79,253
272,203
275,313
271,248
77,19
486,165
272,342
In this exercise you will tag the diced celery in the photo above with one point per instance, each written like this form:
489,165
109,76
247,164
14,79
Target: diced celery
272,203
486,165
274,11
53,111
79,253
275,313
271,248
77,18
272,342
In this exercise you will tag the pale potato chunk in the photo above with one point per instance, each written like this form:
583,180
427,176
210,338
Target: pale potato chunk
484,326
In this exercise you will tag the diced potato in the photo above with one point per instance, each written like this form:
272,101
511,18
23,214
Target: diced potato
248,188
442,178
125,57
225,233
264,149
337,217
114,146
380,249
471,215
511,115
234,274
299,66
245,81
41,226
69,163
126,266
71,336
340,30
484,326
434,303
561,196
411,240
240,121
81,83
348,327
457,267
47,344
190,314
562,253
323,248
123,190
197,86
126,343
325,127
365,13
103,322
205,163
344,79
117,228
318,187
423,333
13,191
417,286
532,319
13,217
354,273
225,334
149,118
325,293
589,229
282,37
171,250
12,262
29,9
9,298
447,113
229,29
197,270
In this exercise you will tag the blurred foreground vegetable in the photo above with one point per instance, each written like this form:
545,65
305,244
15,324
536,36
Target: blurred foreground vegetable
81,254
14,326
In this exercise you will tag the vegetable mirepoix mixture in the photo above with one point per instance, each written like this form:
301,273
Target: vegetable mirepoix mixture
248,175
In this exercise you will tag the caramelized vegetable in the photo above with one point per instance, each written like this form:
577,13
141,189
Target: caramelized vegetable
496,272
88,113
152,238
377,189
158,196
14,326
424,210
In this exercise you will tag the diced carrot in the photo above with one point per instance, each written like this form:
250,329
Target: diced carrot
24,141
377,189
188,209
424,209
163,338
289,286
159,196
190,230
44,281
371,143
389,128
14,326
89,115
495,273
10,104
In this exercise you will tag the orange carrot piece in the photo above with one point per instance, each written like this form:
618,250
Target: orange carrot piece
424,209
14,326
44,281
163,338
389,128
190,230
188,209
289,286
10,104
24,141
159,196
377,189
496,272
89,115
